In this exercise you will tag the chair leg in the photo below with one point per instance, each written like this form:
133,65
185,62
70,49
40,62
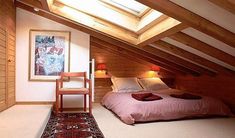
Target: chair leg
90,104
61,102
56,103
84,102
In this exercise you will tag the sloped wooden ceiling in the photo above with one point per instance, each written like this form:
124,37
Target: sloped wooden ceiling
190,37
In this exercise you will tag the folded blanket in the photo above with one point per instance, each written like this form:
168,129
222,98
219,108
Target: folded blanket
145,96
152,98
186,96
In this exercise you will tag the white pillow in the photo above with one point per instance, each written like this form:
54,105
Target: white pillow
113,88
152,84
129,84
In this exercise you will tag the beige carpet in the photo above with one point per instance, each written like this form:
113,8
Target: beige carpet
24,121
28,121
112,127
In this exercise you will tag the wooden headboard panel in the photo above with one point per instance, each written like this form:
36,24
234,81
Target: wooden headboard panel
121,66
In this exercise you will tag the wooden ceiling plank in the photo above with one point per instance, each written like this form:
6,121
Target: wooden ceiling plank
161,61
147,22
45,5
228,5
163,29
195,58
178,60
125,52
185,16
130,55
203,47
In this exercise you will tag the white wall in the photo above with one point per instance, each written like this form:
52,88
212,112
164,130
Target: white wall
45,91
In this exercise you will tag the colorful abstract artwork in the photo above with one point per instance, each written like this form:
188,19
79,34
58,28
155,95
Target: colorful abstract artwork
49,51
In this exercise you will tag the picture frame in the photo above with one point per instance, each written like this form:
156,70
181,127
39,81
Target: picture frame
49,54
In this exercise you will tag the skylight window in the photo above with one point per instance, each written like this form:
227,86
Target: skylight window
129,5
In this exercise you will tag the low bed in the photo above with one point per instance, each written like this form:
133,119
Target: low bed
131,110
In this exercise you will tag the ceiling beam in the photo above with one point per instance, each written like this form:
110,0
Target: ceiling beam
178,60
157,59
67,22
45,5
98,24
129,55
145,24
185,16
163,29
190,56
35,3
161,62
228,5
170,66
203,47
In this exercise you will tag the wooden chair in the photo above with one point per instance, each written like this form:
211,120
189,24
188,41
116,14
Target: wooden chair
60,90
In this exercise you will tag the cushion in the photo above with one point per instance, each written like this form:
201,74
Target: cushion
186,96
129,84
152,84
145,96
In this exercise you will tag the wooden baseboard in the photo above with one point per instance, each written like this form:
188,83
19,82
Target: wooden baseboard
35,103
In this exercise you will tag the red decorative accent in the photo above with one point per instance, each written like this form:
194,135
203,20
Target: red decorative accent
101,66
155,68
72,125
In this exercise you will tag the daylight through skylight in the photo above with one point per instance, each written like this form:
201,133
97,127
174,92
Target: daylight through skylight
129,5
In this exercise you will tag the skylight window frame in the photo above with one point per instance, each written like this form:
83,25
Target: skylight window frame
127,9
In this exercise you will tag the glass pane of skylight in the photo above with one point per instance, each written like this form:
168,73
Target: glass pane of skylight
129,5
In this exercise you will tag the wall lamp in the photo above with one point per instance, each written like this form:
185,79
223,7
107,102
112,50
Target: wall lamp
101,67
155,68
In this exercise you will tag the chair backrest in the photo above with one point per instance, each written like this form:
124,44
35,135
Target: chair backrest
64,75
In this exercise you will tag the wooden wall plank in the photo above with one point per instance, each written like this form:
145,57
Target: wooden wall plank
7,39
120,65
2,43
220,86
148,56
178,60
2,86
2,49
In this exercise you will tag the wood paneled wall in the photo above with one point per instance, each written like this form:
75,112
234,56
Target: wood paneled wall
221,87
7,53
120,66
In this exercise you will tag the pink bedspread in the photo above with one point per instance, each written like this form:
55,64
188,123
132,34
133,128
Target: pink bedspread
131,110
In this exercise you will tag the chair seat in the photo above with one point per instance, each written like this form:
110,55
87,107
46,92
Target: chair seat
74,90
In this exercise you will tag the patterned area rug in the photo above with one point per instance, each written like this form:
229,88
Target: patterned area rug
72,125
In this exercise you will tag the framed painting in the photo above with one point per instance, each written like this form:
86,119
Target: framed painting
49,54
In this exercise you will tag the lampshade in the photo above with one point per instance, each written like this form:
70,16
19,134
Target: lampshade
101,66
155,68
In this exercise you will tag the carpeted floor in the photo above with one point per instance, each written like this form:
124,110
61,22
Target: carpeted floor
112,127
24,121
72,125
29,121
